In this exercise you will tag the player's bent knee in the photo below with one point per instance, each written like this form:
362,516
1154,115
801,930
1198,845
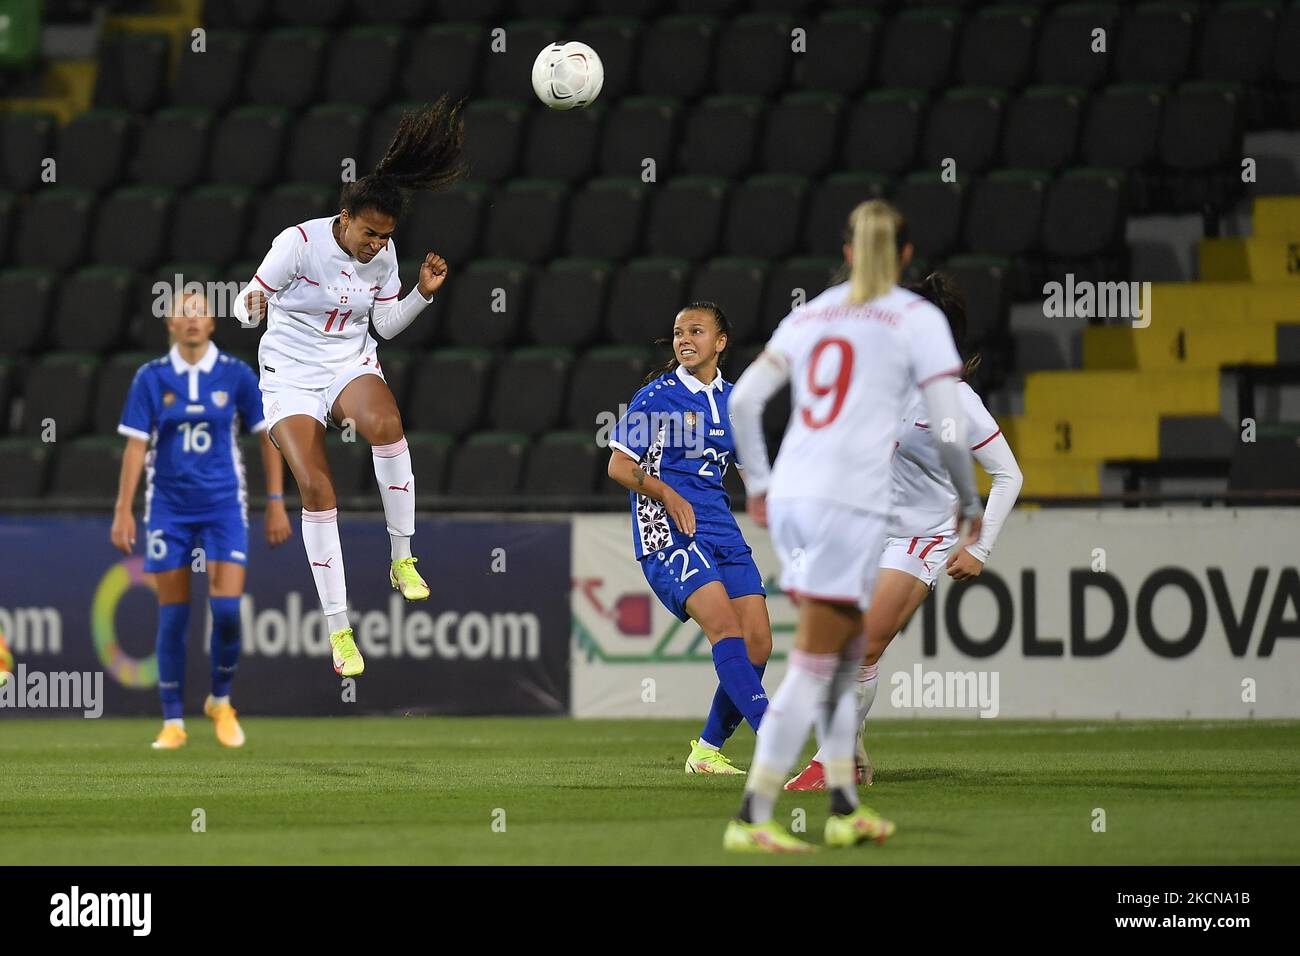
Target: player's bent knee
317,491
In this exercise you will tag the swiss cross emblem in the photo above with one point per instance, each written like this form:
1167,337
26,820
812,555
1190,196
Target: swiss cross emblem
343,300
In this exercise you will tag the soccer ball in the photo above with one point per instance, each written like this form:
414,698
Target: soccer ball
568,75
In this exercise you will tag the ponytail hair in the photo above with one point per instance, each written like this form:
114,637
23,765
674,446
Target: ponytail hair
941,291
426,153
724,328
877,234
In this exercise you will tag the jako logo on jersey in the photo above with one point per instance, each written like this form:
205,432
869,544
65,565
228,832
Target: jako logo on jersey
395,632
715,432
219,399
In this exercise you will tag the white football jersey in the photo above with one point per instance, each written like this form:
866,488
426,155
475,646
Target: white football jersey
853,369
925,501
318,305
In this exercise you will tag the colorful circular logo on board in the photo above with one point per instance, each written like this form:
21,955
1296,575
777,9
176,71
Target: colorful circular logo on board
129,671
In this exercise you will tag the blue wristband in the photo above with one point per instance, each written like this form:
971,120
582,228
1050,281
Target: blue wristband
275,497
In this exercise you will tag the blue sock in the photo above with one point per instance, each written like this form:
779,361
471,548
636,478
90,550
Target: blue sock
724,716
739,679
225,643
173,623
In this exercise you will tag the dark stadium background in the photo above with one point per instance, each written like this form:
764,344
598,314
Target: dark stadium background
1108,167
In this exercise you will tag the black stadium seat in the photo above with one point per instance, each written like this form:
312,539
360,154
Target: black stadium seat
754,55
765,216
488,463
617,39
508,73
92,308
26,297
563,144
24,463
430,456
58,389
322,140
964,125
391,11
132,71
1066,53
1083,216
933,209
985,282
444,58
1156,42
487,304
720,135
605,219
530,390
131,227
283,207
173,148
736,285
1201,128
447,221
448,391
1237,40
801,134
210,223
882,132
211,78
93,149
54,229
115,378
317,13
26,140
567,301
493,138
373,55
1042,128
1122,130
840,54
676,56
997,47
830,204
792,283
81,464
233,162
524,220
560,464
8,215
686,217
902,64
1006,209
644,297
603,379
285,67
637,129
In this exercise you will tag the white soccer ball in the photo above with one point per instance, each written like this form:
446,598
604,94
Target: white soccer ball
568,75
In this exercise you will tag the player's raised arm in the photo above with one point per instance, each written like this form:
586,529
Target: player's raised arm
390,316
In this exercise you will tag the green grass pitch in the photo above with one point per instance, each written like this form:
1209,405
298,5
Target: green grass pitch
421,790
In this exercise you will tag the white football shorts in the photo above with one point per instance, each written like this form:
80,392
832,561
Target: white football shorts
827,551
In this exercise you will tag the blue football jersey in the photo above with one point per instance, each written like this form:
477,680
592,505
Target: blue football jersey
191,415
679,431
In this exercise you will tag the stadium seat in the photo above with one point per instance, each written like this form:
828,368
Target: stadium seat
617,39
524,220
210,223
567,301
173,149
25,300
644,296
383,126
737,286
1269,463
637,129
997,47
486,10
883,132
83,467
605,219
1083,215
985,280
1201,128
132,71
487,303
448,391
391,11
115,378
641,9
925,29
1042,128
321,140
964,125
26,139
233,163
93,149
720,135
493,138
604,378
765,216
488,464
284,69
1122,130
1065,54
560,464
563,145
933,210
427,330
841,52
1156,42
530,390
373,55
92,309
131,227
686,218
211,78
676,56
448,221
430,455
54,229
792,283
59,387
444,58
8,215
397,363
829,206
1006,208
508,73
24,463
316,13
351,463
754,55
801,134
283,207
1237,41
1286,65
250,449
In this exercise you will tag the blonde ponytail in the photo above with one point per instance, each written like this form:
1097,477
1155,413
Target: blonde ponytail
874,228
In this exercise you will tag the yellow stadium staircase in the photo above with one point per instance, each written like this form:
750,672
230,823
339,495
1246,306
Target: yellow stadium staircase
1074,421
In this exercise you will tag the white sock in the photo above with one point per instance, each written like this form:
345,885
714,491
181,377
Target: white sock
798,703
220,701
320,538
174,722
842,728
866,691
397,490
704,744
